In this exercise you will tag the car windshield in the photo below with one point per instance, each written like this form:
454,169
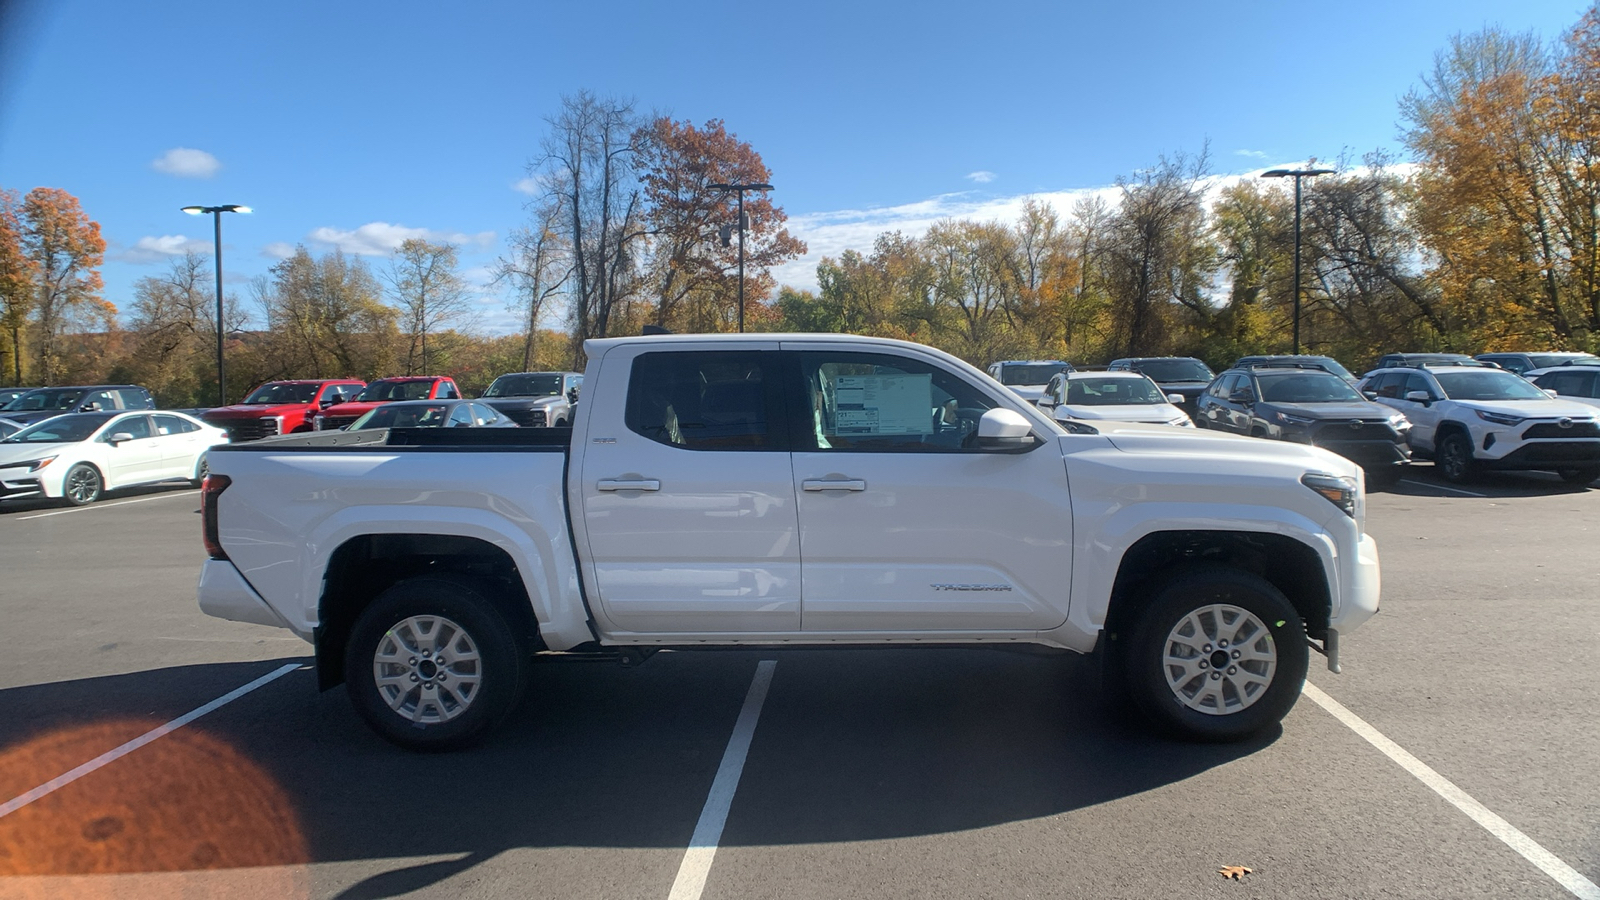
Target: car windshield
1306,387
1111,391
525,386
1038,374
1549,360
1488,385
282,392
45,399
61,429
429,415
396,390
1165,370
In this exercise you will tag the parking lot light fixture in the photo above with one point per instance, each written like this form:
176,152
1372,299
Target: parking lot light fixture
740,189
216,216
1296,174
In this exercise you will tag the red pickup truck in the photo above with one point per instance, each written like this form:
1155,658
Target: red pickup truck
281,407
411,387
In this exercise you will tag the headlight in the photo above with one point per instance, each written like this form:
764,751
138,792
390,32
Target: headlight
1500,418
1286,419
1399,422
38,464
316,424
1341,492
1182,422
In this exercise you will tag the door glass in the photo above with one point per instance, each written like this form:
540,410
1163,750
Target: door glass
461,417
703,401
881,403
138,426
172,425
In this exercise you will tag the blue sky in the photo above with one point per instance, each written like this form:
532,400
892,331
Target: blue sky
356,124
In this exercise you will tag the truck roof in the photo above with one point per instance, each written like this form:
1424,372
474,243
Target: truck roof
596,346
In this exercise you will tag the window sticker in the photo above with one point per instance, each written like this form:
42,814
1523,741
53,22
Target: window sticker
883,404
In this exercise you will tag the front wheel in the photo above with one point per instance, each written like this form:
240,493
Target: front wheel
1580,476
432,664
1218,655
1454,459
83,485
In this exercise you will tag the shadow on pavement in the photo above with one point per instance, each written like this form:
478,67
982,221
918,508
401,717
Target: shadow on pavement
852,745
42,504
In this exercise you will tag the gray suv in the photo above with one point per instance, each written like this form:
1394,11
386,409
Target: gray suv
48,402
536,399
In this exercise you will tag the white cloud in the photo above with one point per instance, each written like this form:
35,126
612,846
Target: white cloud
530,186
382,238
1253,154
156,249
981,176
185,162
278,250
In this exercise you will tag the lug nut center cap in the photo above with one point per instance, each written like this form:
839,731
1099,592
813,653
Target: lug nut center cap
1219,659
427,669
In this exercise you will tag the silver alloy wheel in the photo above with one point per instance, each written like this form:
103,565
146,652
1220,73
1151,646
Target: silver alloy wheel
83,485
427,669
1453,458
1219,659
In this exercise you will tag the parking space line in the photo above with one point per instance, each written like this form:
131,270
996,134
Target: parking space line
1440,487
1548,862
110,756
62,512
691,880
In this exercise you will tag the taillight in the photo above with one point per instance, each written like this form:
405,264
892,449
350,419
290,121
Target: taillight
210,490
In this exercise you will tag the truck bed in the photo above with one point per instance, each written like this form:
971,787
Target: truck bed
545,440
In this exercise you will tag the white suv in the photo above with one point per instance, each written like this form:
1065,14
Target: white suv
1470,419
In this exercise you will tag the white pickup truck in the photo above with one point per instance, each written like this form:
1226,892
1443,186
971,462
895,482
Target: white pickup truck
790,490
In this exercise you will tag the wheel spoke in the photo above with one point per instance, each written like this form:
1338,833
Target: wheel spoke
1203,632
399,659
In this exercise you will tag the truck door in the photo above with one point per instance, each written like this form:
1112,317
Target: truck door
687,494
905,525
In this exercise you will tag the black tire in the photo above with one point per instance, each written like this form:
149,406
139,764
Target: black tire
1580,476
83,485
1192,591
1453,459
201,469
439,719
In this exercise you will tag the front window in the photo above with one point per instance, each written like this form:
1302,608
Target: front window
1169,370
1306,387
61,429
540,385
274,394
383,391
430,415
45,399
875,402
1487,385
1031,374
1112,392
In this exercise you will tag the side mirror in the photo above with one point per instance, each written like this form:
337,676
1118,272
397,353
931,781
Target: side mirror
572,395
326,402
119,437
1175,399
1004,429
1419,397
1552,392
1242,395
1370,395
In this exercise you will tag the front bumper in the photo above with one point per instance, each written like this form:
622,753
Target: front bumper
1359,587
1548,455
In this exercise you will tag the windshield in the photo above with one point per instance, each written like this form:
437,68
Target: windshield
430,415
396,390
61,429
45,399
1111,391
1306,387
282,392
1488,385
1038,374
1164,370
525,386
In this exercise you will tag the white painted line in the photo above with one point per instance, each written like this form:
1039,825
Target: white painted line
691,880
111,756
1565,875
1440,487
95,506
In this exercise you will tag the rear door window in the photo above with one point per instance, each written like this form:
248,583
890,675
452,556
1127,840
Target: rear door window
720,400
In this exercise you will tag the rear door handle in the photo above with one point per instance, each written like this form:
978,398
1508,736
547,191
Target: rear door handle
842,484
628,484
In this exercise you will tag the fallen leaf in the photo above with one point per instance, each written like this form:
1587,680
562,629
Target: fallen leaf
1237,873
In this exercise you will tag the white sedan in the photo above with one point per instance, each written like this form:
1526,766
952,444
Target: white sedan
80,456
1114,396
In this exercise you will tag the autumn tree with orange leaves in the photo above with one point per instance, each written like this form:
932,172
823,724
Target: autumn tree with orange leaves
16,288
66,250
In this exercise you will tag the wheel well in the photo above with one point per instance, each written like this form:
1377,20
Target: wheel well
1290,566
366,566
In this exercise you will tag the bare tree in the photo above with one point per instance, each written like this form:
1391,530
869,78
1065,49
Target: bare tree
536,270
429,294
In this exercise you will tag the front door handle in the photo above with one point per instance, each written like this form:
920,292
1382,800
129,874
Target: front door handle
831,484
628,484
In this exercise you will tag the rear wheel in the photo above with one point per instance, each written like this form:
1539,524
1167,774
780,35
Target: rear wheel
83,485
1218,655
201,470
1580,476
1454,459
432,664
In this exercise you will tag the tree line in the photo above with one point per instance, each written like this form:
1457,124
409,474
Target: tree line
1486,238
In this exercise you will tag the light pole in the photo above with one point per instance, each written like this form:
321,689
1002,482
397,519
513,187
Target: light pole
741,188
216,216
1296,174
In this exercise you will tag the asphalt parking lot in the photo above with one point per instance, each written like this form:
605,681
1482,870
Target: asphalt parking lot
913,773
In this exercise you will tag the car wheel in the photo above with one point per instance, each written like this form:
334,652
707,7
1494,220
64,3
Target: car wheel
201,470
1454,459
433,665
1580,476
83,485
1218,655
